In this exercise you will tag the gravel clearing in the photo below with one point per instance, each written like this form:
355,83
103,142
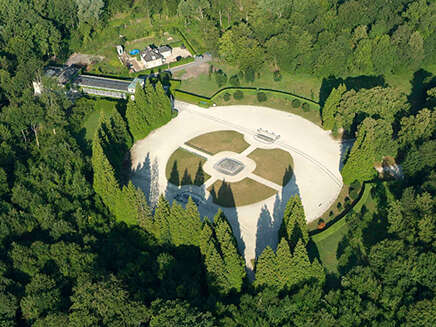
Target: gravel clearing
316,177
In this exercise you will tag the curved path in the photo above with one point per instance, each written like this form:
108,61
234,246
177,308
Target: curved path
316,175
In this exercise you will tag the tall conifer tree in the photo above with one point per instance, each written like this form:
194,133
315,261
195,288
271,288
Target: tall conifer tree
266,269
331,105
176,222
161,220
234,263
137,114
294,226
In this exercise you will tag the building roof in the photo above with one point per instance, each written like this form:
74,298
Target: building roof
164,48
151,53
64,74
102,83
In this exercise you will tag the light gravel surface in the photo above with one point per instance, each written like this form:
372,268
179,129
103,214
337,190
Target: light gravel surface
316,158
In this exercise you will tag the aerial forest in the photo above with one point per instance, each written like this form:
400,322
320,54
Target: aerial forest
82,246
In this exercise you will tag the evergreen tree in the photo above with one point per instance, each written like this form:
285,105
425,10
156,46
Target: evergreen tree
330,107
161,215
176,222
152,110
294,225
206,235
284,263
301,267
164,104
266,269
212,259
105,183
374,141
137,114
133,206
216,273
233,262
144,214
191,224
283,270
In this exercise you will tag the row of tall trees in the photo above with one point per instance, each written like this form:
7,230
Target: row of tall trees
289,266
150,109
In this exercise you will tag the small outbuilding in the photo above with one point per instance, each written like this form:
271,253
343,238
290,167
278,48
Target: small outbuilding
120,50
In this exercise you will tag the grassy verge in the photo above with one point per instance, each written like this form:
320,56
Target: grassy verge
185,168
279,102
274,165
192,98
215,142
302,84
327,244
240,193
101,106
327,241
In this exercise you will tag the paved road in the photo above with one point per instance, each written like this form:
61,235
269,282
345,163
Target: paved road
102,83
198,61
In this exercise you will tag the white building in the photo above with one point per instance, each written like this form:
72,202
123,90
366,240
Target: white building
154,57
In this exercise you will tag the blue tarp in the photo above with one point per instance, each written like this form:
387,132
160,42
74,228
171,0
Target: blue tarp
134,52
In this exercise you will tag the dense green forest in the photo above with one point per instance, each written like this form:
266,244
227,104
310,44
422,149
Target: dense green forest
82,247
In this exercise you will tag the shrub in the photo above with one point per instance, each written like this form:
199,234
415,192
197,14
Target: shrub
354,193
277,76
234,80
226,96
238,95
220,78
331,213
249,75
355,185
295,103
339,206
305,107
261,96
210,71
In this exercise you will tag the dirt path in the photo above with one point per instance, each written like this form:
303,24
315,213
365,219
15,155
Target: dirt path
83,59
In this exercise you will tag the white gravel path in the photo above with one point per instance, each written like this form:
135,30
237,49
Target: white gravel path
316,175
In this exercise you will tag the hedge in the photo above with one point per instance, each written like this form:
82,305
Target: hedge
254,91
193,98
187,43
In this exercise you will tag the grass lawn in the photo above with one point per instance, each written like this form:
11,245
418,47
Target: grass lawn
185,168
301,84
240,193
105,107
219,141
327,244
274,165
282,103
366,200
328,240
